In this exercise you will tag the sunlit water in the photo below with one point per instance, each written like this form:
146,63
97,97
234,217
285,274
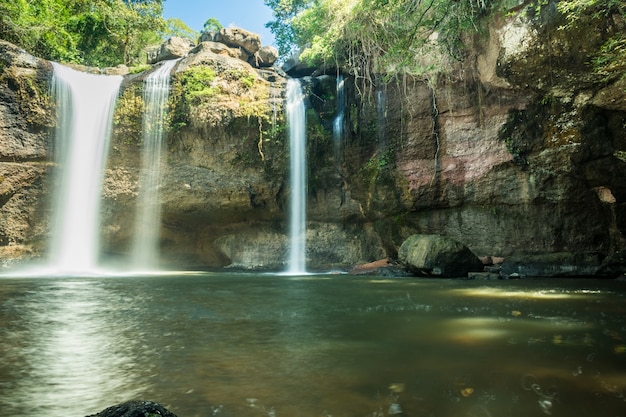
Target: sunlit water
262,345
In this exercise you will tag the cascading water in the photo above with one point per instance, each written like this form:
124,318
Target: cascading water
296,122
381,119
340,112
85,104
145,253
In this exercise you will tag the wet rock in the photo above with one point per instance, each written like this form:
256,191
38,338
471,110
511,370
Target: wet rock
483,275
561,264
135,409
434,255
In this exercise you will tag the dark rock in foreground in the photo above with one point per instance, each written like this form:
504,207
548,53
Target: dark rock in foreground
135,409
433,255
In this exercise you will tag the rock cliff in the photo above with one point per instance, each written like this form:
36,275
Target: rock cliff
517,150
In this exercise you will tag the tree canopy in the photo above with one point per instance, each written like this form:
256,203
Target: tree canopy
374,36
92,32
391,37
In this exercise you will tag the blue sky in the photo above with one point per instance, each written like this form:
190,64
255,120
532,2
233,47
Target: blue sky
246,14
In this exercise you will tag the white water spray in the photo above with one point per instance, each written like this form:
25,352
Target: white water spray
85,104
145,246
296,122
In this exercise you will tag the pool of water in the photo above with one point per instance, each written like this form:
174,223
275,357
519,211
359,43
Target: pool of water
242,345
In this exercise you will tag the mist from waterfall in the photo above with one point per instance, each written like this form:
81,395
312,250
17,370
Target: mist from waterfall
296,123
145,245
84,104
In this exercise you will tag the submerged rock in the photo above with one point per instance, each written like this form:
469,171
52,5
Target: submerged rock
135,409
560,264
434,255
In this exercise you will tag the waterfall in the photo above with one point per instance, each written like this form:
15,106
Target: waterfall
296,122
381,119
340,111
145,252
85,104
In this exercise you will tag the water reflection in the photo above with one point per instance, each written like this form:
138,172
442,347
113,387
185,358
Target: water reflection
315,346
64,348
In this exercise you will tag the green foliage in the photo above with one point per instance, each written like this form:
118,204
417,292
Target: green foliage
611,58
91,32
128,116
204,95
136,69
380,162
197,84
285,11
621,155
367,37
212,25
176,27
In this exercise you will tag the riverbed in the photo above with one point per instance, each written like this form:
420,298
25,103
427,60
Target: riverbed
214,344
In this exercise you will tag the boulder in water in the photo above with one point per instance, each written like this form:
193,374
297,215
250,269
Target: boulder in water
135,409
434,255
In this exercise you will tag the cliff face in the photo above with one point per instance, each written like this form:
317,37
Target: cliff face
518,150
25,125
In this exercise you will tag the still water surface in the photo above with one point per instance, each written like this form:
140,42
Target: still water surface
260,345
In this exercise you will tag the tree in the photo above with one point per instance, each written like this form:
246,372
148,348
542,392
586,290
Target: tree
287,37
92,32
212,25
39,27
176,27
373,38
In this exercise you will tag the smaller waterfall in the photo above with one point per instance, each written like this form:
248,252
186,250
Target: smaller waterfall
296,122
381,118
338,123
145,246
85,104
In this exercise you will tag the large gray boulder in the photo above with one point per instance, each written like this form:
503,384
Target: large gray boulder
264,57
434,255
173,48
237,37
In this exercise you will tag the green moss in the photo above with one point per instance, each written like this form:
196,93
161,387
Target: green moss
128,116
136,69
32,92
197,83
203,96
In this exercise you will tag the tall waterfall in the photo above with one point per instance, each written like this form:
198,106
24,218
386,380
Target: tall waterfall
296,122
145,252
85,104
